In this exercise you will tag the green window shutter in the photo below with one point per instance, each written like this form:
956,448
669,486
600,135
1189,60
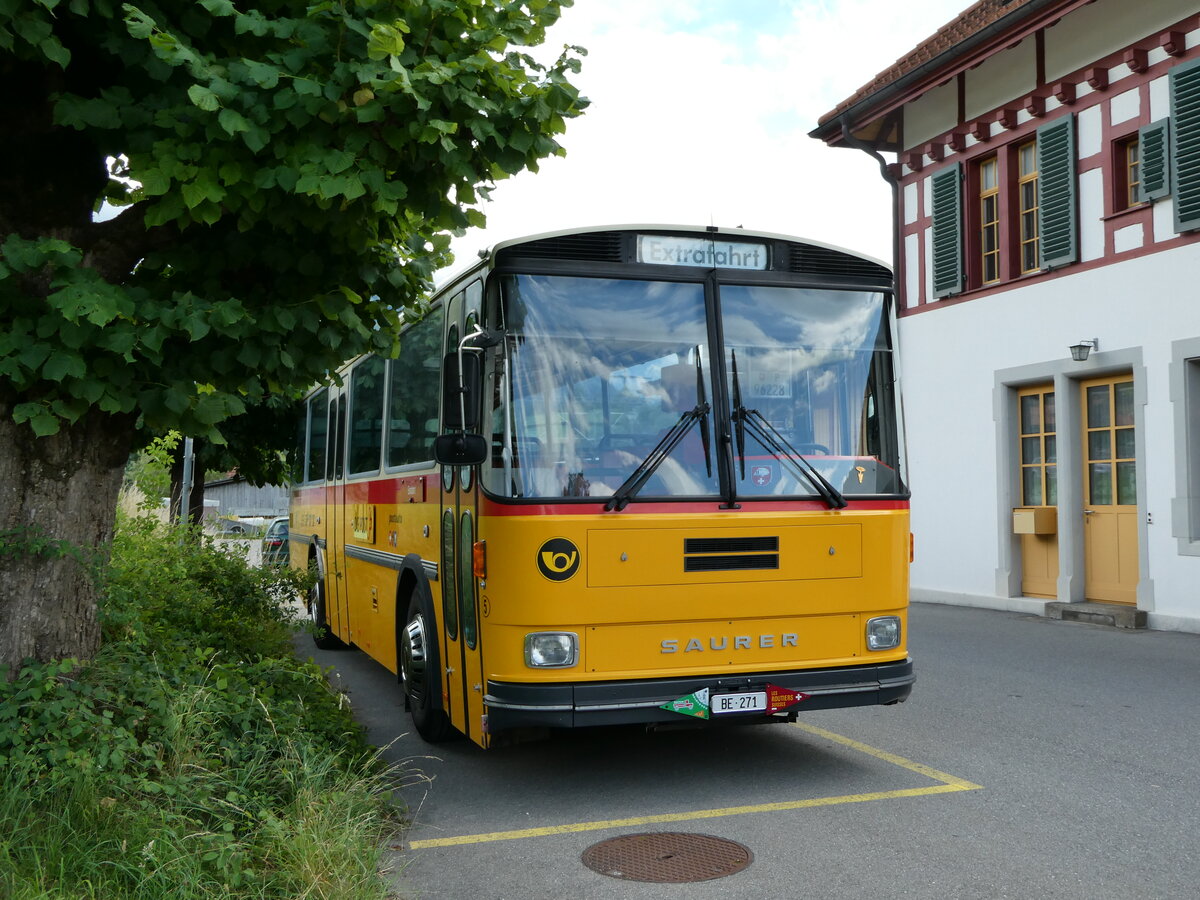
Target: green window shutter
1059,236
947,232
1185,144
1156,176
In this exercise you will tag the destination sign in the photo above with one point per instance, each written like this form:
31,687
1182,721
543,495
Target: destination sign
669,250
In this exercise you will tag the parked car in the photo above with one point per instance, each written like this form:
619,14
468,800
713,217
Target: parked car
275,550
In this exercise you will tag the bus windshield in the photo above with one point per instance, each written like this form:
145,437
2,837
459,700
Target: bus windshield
600,379
813,367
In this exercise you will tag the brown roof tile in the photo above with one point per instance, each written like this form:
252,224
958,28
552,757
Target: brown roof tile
971,22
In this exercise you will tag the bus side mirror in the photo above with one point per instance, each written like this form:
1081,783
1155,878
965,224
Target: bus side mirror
460,392
460,449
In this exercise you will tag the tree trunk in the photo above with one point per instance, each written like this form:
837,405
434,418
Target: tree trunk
58,499
196,497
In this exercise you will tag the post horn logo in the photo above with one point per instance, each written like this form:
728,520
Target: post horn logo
558,559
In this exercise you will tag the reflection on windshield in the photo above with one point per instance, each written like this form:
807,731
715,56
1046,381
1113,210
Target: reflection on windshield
595,372
815,364
600,370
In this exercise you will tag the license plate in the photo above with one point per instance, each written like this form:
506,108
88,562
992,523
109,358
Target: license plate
751,701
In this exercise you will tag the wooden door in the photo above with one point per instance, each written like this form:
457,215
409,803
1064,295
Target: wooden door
1110,490
1039,487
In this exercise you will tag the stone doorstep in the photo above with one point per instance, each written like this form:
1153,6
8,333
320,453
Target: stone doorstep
1112,614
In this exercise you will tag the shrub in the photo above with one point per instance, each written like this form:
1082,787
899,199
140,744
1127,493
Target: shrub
196,756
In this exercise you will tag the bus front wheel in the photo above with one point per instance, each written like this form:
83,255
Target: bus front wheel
323,635
418,656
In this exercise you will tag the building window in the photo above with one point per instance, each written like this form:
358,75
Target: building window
1039,448
1127,173
1027,195
989,219
1133,170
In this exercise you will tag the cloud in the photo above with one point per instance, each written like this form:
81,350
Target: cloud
700,115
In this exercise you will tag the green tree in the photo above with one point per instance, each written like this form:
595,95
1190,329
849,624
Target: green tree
290,173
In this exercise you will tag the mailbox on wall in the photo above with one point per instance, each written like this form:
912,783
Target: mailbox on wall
1035,520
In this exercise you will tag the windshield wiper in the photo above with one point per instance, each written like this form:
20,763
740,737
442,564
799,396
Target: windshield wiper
656,457
777,445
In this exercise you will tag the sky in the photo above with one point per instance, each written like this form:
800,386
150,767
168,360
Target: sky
700,113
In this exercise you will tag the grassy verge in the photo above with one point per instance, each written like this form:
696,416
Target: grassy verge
195,756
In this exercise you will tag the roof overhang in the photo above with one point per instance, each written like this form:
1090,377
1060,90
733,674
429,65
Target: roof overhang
874,120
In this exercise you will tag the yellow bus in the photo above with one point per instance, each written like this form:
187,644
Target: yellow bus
624,475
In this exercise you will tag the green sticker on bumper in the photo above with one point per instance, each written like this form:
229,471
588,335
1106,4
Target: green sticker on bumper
692,705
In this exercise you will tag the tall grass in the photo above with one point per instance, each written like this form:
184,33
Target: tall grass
195,757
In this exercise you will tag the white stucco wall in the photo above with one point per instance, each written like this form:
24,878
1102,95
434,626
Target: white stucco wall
1106,26
951,356
931,114
1001,78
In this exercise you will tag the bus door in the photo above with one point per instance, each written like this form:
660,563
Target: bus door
334,513
463,683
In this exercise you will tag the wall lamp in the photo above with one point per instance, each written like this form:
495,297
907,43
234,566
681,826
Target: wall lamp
1080,351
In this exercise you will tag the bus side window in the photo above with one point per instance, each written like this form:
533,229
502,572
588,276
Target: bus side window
318,427
300,447
415,374
337,427
366,415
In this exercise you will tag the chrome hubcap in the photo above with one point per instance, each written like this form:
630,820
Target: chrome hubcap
412,659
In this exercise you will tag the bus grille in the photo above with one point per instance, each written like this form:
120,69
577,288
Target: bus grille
598,246
805,259
731,545
737,563
732,554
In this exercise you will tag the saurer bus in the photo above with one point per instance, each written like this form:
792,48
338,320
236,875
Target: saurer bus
617,476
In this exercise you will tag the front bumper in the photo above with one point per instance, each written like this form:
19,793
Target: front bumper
583,704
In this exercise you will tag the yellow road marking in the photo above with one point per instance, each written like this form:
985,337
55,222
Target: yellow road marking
946,784
957,783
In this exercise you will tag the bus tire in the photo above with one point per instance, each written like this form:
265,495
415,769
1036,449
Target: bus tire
323,635
418,662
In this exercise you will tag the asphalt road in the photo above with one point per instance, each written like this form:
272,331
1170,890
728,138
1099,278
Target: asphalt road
1035,759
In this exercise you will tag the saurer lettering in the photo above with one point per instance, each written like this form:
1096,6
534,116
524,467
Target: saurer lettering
739,642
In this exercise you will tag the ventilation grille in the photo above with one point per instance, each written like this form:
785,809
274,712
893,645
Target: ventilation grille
731,545
805,259
730,554
738,563
598,246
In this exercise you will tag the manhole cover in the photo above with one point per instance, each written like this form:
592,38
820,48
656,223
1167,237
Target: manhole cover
667,857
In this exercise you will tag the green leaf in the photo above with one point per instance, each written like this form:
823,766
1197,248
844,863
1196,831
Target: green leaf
385,40
232,121
33,356
265,76
60,365
176,399
43,422
306,87
54,51
338,161
194,194
154,182
197,327
203,98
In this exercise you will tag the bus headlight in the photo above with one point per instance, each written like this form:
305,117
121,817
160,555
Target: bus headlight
551,649
883,633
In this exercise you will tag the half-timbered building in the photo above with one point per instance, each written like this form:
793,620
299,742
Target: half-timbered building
1045,162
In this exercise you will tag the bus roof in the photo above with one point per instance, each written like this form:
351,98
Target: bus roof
649,228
